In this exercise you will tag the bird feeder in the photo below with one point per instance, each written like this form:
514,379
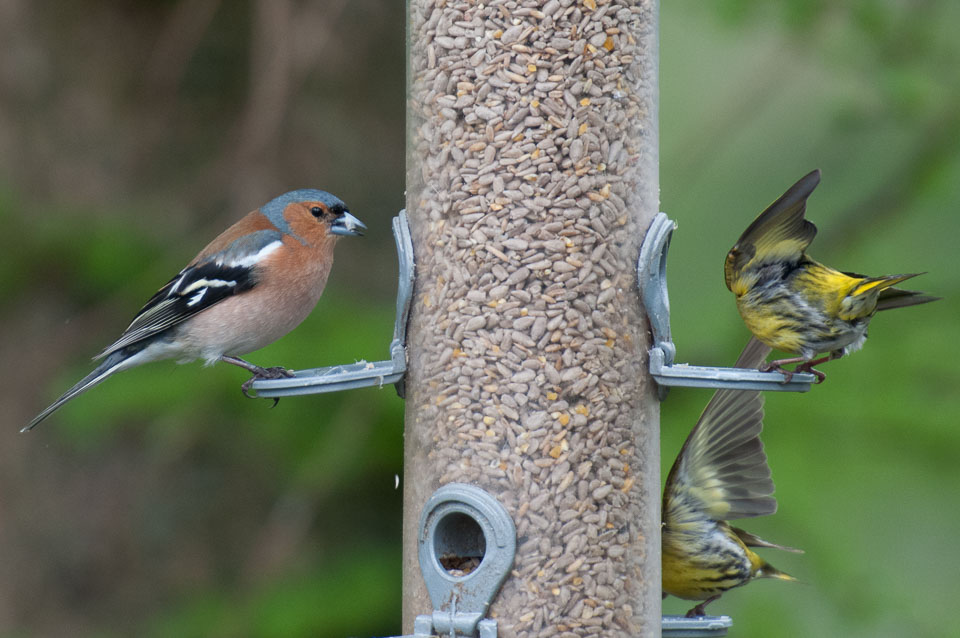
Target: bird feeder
532,150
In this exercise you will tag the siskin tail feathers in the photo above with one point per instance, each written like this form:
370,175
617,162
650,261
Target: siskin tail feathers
769,571
899,298
890,297
869,284
114,362
752,540
763,568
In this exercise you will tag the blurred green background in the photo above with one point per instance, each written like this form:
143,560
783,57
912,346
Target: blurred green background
163,503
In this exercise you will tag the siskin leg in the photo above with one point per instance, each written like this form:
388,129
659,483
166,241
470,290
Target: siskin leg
805,366
777,366
698,610
808,365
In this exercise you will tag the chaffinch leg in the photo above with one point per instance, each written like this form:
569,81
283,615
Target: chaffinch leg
276,372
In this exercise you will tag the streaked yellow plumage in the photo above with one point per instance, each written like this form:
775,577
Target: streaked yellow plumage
720,474
795,304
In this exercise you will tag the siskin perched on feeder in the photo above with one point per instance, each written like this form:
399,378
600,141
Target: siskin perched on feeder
720,474
795,304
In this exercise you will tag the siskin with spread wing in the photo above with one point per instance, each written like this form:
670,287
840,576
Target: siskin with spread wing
720,474
791,302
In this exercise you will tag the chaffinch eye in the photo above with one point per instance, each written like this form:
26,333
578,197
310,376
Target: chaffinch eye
317,211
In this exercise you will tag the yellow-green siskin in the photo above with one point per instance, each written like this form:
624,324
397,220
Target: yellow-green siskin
720,474
795,304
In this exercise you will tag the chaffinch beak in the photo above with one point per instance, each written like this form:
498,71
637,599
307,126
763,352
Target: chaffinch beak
347,224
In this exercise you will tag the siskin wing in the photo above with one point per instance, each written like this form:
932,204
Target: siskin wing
721,472
779,234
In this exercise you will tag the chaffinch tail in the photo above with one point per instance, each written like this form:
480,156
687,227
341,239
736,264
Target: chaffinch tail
250,286
795,304
720,474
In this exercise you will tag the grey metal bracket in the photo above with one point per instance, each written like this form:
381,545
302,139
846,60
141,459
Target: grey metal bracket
670,626
363,373
699,627
467,528
422,628
652,281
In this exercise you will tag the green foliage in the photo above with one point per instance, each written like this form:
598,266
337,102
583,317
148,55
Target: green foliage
329,597
87,256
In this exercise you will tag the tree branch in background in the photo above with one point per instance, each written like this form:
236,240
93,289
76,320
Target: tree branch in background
176,45
936,144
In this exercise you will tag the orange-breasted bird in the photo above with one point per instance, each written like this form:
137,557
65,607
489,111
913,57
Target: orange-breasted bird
720,474
250,286
795,304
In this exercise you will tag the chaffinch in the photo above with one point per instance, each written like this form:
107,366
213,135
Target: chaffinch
250,286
